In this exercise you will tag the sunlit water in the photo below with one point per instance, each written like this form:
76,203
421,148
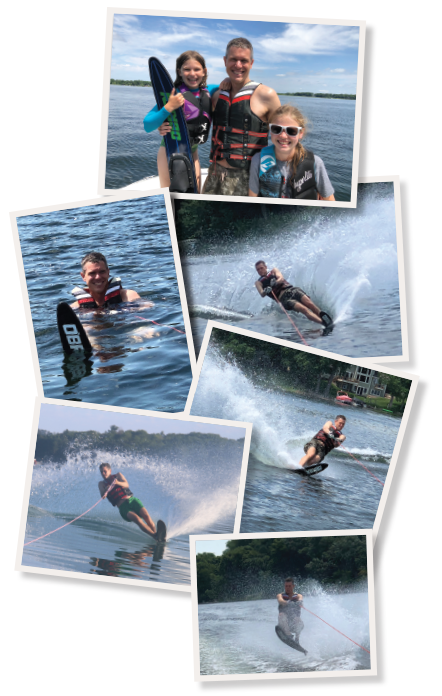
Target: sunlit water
346,260
192,497
344,496
132,153
240,638
136,363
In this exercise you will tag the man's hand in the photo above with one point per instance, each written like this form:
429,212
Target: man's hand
226,84
267,290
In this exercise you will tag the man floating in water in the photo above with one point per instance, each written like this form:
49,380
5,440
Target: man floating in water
130,508
289,617
99,290
272,284
323,442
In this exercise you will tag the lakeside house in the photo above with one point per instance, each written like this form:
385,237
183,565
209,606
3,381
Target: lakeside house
361,381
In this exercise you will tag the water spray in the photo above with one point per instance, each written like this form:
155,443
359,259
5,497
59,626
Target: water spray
335,629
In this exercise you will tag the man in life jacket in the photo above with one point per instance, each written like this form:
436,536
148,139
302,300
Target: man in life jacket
99,290
130,508
240,123
272,284
323,442
289,608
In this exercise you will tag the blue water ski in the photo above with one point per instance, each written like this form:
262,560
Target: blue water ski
178,148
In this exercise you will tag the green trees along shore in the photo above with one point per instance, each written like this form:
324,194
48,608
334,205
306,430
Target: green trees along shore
295,370
256,568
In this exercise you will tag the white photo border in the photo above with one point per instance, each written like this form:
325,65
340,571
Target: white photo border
102,190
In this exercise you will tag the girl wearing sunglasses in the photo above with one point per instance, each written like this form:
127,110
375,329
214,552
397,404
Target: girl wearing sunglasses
285,169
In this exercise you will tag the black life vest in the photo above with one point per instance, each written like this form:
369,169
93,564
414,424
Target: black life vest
113,295
278,288
237,132
198,114
294,609
328,442
271,181
117,494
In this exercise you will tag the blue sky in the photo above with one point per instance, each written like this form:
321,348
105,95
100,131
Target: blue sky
211,546
288,57
56,419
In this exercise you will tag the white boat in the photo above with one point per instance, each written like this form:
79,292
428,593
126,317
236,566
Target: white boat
149,183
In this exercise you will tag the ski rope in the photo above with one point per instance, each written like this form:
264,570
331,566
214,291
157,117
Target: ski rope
364,467
335,629
77,518
155,322
290,320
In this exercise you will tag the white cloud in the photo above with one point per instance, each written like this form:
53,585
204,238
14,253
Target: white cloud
338,70
283,75
311,39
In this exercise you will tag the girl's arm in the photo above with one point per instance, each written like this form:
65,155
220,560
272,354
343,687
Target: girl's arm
323,183
155,118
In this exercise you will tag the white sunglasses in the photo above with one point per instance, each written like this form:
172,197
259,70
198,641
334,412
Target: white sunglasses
291,131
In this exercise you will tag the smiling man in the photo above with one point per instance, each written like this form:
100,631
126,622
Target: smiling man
240,123
100,291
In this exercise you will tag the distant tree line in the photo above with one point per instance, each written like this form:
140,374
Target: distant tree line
131,83
56,447
256,568
294,368
321,95
209,219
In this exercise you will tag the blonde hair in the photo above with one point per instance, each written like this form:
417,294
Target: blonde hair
295,114
183,58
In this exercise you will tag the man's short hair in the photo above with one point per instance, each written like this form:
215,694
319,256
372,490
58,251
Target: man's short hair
258,262
104,465
343,418
93,257
289,580
240,43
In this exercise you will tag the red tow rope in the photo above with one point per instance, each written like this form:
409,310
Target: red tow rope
335,629
364,467
290,320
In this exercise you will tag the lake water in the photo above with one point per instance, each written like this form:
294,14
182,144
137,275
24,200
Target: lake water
240,638
191,499
132,153
136,363
344,496
346,260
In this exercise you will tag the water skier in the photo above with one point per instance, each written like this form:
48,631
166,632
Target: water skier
289,608
130,508
272,284
285,169
329,437
240,123
100,291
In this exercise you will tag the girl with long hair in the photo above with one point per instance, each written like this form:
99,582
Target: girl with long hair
285,169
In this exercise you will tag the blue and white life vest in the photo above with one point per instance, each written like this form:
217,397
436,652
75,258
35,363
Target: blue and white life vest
272,182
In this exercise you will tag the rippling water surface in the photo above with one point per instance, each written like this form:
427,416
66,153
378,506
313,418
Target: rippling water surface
141,357
132,153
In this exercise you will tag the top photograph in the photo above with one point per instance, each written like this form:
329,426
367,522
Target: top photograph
220,106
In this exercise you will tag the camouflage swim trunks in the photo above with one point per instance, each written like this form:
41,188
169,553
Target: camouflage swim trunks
226,182
288,298
318,445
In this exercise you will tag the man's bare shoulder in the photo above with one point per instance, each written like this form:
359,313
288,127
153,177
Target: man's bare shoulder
267,94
